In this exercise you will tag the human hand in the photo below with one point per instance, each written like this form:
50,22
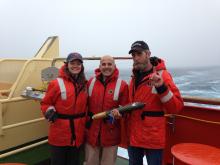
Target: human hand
156,80
115,113
51,114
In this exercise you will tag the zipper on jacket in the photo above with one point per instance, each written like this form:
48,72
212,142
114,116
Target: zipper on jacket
134,88
105,85
100,128
76,95
141,83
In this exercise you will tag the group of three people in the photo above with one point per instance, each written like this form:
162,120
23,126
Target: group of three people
71,100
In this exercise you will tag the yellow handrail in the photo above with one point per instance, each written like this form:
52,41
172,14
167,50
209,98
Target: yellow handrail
23,123
89,58
23,149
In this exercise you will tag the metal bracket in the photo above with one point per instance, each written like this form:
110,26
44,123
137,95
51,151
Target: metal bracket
32,93
171,122
49,73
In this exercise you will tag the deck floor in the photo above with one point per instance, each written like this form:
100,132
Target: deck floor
121,161
40,156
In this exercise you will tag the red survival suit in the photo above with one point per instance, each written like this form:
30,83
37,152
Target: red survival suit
105,96
67,102
147,126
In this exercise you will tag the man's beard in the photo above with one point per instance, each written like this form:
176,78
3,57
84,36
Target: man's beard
139,66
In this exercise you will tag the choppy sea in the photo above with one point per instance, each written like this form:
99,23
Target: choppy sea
203,81
198,81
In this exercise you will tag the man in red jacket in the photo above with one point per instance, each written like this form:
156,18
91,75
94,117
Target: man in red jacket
152,84
106,91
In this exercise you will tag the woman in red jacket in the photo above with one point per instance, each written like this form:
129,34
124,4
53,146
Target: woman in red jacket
64,106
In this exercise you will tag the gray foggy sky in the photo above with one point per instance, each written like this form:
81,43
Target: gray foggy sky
183,32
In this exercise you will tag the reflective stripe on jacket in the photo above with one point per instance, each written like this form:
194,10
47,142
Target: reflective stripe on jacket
61,94
149,131
102,98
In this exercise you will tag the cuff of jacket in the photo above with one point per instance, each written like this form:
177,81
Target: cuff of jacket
161,89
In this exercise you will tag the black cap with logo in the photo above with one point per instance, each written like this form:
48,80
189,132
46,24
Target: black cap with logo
138,46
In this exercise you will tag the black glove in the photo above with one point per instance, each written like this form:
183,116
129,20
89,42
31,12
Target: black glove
89,122
155,60
51,115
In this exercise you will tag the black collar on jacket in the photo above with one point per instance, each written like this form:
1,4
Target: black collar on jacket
140,75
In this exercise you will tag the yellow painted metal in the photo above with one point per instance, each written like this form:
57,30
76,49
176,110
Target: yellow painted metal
21,120
30,75
9,70
1,123
50,49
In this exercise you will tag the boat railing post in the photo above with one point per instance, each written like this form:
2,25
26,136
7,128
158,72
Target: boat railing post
171,122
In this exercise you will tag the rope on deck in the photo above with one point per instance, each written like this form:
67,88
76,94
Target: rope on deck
193,118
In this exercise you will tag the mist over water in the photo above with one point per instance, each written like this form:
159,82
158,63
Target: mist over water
203,82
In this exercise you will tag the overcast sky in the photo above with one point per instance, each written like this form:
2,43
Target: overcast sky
183,32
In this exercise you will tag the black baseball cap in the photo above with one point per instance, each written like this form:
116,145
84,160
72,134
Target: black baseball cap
138,46
74,56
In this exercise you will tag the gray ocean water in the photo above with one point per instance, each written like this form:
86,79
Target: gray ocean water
203,81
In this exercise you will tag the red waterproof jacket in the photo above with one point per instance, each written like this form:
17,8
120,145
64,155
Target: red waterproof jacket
75,103
149,131
103,97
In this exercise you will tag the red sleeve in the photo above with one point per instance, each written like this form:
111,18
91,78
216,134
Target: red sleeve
50,96
123,100
89,82
171,98
88,115
123,96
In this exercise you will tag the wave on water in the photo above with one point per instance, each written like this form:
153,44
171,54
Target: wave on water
214,82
